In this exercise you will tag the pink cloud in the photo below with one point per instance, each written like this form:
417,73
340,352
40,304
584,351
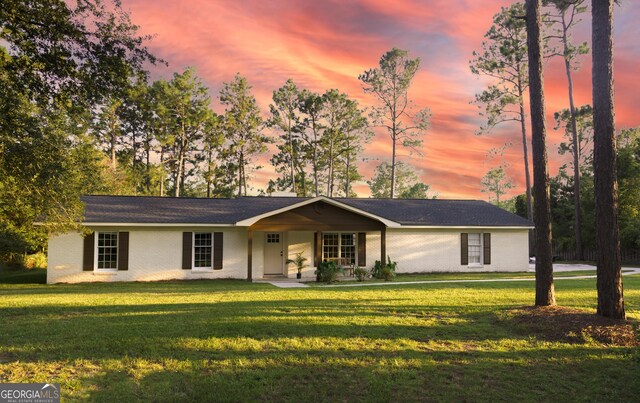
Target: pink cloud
327,44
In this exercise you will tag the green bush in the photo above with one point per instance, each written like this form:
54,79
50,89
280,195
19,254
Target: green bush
35,261
19,261
386,272
360,273
328,272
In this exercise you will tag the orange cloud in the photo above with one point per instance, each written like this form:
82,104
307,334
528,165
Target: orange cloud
327,44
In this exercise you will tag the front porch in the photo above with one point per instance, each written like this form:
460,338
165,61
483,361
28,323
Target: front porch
319,231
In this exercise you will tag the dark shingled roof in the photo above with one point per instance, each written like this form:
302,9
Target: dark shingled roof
169,210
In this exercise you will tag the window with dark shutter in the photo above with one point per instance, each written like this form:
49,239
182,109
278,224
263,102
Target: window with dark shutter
464,249
186,250
486,248
123,251
88,252
218,247
362,249
317,249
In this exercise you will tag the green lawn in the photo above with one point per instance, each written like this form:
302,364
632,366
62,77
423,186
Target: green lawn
234,341
482,275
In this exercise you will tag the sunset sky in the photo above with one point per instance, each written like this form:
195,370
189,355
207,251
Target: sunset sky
326,44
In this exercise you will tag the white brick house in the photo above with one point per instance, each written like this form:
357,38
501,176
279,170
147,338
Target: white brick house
153,238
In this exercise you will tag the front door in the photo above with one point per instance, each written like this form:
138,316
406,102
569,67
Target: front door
273,253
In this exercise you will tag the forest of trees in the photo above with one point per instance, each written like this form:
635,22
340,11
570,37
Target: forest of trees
504,59
81,116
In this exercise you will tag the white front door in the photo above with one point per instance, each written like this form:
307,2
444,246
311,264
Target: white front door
273,253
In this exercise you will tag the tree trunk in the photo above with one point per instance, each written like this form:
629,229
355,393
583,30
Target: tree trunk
293,171
542,217
315,158
147,151
240,173
209,173
161,172
393,161
609,282
348,169
330,179
112,147
525,151
576,149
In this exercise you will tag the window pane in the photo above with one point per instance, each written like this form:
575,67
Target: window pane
107,250
475,246
330,246
348,248
202,249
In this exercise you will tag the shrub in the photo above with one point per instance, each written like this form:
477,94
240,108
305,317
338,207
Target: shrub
376,271
35,261
328,272
360,273
386,272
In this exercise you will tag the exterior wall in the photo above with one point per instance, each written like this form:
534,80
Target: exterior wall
433,250
257,265
373,248
154,254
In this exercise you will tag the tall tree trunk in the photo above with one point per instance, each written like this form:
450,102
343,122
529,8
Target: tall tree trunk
525,151
544,263
577,222
240,173
161,172
393,161
183,175
293,171
348,169
147,151
315,158
209,173
330,179
112,146
609,283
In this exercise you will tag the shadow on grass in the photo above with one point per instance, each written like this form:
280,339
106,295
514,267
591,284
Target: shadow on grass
560,374
30,276
157,331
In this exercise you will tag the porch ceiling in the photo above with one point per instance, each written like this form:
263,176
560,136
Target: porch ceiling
317,216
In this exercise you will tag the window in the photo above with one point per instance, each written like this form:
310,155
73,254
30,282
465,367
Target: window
273,238
475,248
202,250
108,250
339,247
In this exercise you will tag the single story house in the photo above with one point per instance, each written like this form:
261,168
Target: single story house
137,238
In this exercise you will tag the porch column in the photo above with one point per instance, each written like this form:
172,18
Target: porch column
383,245
249,255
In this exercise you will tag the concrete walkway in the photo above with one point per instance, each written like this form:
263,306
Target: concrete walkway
556,268
287,284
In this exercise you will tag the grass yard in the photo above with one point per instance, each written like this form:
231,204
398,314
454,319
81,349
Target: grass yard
234,341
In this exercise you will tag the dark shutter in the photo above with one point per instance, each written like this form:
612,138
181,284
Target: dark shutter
464,249
317,248
362,249
123,251
487,248
187,241
217,250
88,251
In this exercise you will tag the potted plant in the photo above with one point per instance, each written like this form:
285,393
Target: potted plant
299,261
